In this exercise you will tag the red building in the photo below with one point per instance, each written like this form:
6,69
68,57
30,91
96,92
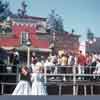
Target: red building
16,31
67,41
22,30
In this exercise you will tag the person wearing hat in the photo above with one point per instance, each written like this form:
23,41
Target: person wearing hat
37,78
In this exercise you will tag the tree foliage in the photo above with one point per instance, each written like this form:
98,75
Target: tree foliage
22,11
55,22
4,10
90,35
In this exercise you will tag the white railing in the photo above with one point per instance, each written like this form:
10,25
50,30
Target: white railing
72,74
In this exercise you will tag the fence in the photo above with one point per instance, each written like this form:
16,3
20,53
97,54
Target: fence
70,77
62,77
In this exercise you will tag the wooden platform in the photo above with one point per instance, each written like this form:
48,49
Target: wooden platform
61,88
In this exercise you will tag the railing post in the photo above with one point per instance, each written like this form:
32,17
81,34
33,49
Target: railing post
17,73
60,88
92,90
2,88
76,90
28,56
74,80
45,74
85,92
8,61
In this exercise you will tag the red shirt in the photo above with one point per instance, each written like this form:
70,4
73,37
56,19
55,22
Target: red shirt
81,60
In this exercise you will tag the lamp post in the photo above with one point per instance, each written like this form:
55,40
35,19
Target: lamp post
52,45
54,40
28,53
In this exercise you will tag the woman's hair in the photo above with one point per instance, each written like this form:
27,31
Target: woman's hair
39,66
24,67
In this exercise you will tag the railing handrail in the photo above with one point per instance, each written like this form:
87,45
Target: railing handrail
8,74
73,74
68,66
6,83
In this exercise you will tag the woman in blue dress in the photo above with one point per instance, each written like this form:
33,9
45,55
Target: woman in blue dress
37,78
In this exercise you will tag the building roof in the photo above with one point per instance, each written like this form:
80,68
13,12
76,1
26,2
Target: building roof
73,34
29,17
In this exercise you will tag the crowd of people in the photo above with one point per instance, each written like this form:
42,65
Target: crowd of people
88,63
32,78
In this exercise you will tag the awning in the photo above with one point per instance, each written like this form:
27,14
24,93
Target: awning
34,49
7,48
42,50
24,48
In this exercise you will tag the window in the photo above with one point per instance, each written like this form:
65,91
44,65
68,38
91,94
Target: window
24,38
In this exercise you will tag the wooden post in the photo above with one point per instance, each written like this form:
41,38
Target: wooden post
2,88
8,62
60,88
92,90
45,74
74,80
28,57
76,90
85,92
17,74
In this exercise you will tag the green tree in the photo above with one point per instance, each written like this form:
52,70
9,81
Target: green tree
1,7
22,11
90,35
54,22
4,10
51,21
59,24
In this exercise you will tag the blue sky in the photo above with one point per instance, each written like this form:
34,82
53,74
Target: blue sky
77,14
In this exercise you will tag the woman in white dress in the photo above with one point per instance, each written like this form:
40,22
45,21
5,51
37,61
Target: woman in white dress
24,85
37,78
